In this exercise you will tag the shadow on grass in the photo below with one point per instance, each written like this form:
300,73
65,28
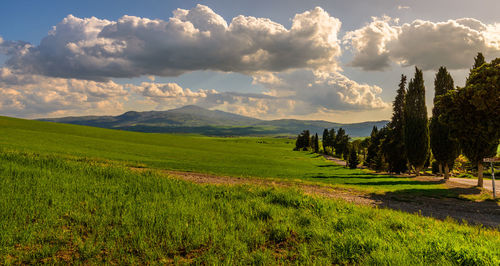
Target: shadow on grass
429,201
395,183
442,203
351,175
327,165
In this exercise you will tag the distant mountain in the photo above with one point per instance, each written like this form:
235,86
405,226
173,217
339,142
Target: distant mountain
194,119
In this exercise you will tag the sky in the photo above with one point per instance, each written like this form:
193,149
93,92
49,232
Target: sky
331,60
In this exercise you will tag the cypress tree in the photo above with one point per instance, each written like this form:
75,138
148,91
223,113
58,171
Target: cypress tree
373,147
344,146
303,141
331,139
307,140
478,61
364,146
444,148
326,140
312,142
339,143
416,130
396,150
383,150
356,145
316,144
353,159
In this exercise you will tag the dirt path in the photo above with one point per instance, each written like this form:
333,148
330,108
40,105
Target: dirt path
487,184
486,212
335,160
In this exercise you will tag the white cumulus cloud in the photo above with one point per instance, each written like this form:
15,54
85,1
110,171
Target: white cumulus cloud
72,68
36,96
171,95
317,90
196,39
429,45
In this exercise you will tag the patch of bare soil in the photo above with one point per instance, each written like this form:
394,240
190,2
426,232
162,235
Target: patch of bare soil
486,212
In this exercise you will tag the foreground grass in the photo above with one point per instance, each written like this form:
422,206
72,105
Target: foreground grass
247,157
57,210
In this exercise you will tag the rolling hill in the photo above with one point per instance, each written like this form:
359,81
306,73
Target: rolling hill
195,119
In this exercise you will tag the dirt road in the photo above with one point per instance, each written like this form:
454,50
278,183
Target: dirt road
335,160
487,184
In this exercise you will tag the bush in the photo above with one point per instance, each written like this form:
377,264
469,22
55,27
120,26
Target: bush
462,165
465,175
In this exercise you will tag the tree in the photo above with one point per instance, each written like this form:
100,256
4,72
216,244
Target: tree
325,140
364,146
444,147
473,114
376,149
303,141
353,159
316,144
311,142
396,150
356,145
332,138
384,149
373,147
341,144
416,130
337,143
478,61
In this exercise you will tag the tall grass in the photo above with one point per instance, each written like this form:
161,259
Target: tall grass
59,210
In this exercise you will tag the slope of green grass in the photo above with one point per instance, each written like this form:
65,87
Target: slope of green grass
59,210
257,157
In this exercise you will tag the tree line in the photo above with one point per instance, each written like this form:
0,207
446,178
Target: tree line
333,143
465,120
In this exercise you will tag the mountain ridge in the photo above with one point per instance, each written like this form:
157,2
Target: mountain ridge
195,119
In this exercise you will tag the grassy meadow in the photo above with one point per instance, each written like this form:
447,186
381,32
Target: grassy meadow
242,157
56,210
68,195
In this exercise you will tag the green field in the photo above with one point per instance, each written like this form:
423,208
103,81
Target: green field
67,194
247,157
56,210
